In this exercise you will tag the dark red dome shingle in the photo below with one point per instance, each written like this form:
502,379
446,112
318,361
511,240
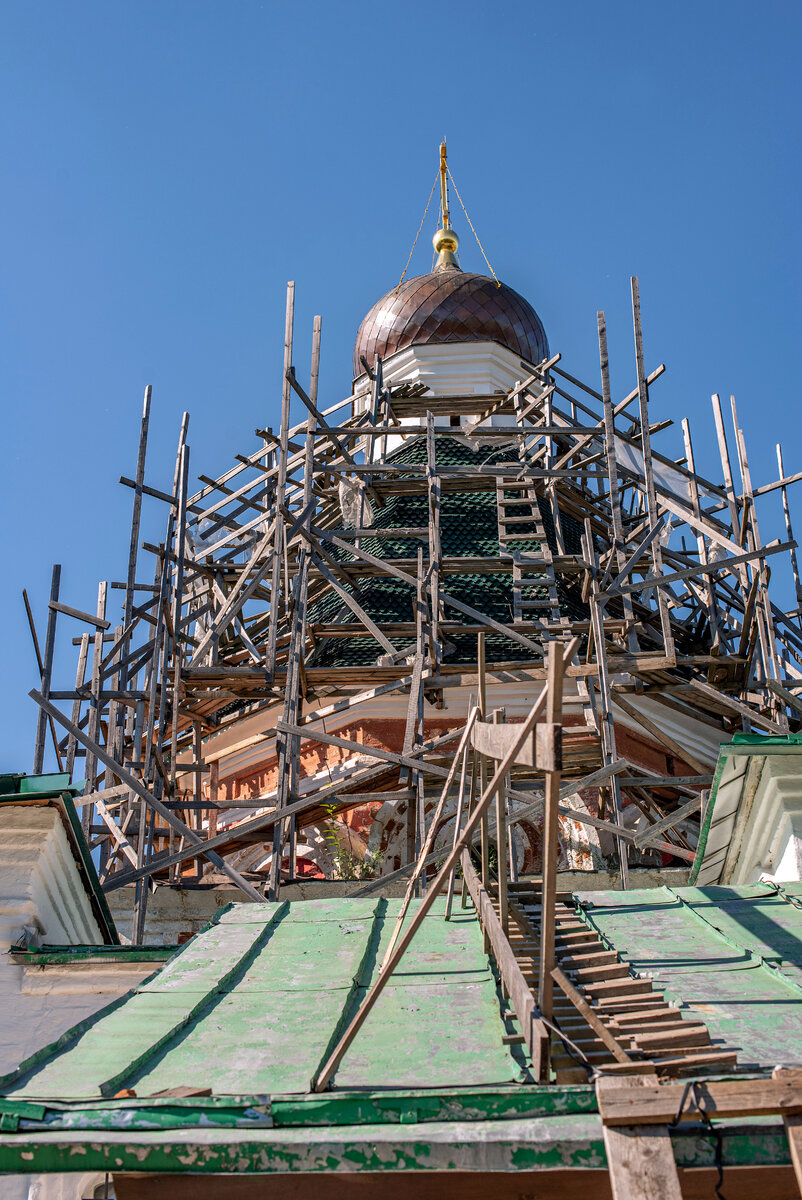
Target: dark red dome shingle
450,306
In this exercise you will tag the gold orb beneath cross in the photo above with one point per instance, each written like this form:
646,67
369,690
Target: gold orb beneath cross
445,239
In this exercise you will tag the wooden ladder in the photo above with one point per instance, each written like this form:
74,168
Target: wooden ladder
616,1020
534,584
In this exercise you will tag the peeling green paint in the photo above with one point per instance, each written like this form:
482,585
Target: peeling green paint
514,1145
251,1005
49,956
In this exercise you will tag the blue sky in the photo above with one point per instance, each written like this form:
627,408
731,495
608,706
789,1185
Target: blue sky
168,167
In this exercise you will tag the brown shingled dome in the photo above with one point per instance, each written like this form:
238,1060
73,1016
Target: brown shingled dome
450,306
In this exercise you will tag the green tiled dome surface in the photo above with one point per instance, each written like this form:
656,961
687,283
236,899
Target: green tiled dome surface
468,528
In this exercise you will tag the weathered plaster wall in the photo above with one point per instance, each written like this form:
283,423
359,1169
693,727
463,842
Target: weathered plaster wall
381,828
42,900
74,1186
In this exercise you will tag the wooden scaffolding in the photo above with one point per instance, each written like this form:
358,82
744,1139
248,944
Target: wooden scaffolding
654,576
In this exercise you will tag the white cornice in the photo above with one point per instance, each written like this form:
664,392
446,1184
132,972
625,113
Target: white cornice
453,368
40,887
753,827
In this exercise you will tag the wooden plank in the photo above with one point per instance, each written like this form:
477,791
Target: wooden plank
117,833
178,599
617,549
766,632
701,544
95,703
107,795
340,706
565,1183
79,614
502,843
640,1158
735,706
647,835
47,670
584,1009
604,717
254,572
793,1128
480,765
288,746
458,817
599,428
495,741
550,841
660,1103
792,1123
41,666
702,570
355,607
322,423
281,482
133,544
427,846
646,450
324,1075
536,1034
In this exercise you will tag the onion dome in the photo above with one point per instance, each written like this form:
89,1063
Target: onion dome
448,306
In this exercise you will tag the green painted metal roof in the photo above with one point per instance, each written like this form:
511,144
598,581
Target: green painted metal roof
255,1003
731,955
251,1006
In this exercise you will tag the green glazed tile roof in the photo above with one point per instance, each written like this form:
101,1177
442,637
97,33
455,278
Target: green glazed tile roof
468,528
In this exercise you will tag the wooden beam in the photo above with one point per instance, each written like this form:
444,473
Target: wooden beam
47,670
583,1008
420,865
535,1033
792,1122
647,835
640,1158
659,1104
324,1075
550,844
134,784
